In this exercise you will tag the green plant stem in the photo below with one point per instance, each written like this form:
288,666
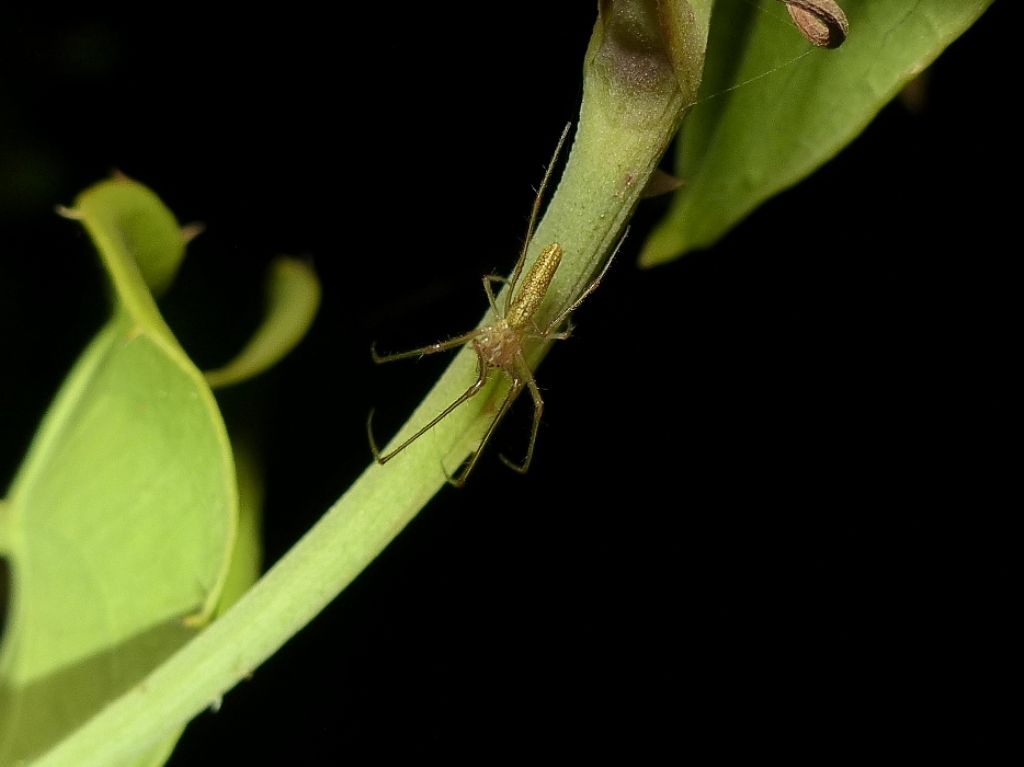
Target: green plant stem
316,569
625,125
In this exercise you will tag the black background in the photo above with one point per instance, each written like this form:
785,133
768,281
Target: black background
767,512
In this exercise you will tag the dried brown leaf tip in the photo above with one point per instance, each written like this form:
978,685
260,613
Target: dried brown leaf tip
821,22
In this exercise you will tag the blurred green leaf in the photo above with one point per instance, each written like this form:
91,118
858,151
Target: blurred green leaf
120,522
293,296
134,233
789,113
247,555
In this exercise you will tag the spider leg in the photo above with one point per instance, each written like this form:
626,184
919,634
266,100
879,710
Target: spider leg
589,289
488,280
460,479
525,376
451,343
556,335
550,334
481,379
534,213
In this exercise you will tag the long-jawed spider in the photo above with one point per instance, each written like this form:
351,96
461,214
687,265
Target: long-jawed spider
499,346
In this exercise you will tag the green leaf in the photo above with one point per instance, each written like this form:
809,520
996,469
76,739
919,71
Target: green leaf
247,555
119,524
293,295
134,233
789,115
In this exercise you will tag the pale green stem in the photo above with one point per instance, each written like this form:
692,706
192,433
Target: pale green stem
632,106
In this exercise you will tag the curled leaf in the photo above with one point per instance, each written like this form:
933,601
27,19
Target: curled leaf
822,22
120,523
293,296
133,230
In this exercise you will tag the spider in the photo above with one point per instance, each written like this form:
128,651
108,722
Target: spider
499,346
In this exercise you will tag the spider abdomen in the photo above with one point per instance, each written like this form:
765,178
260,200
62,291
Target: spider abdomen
535,286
